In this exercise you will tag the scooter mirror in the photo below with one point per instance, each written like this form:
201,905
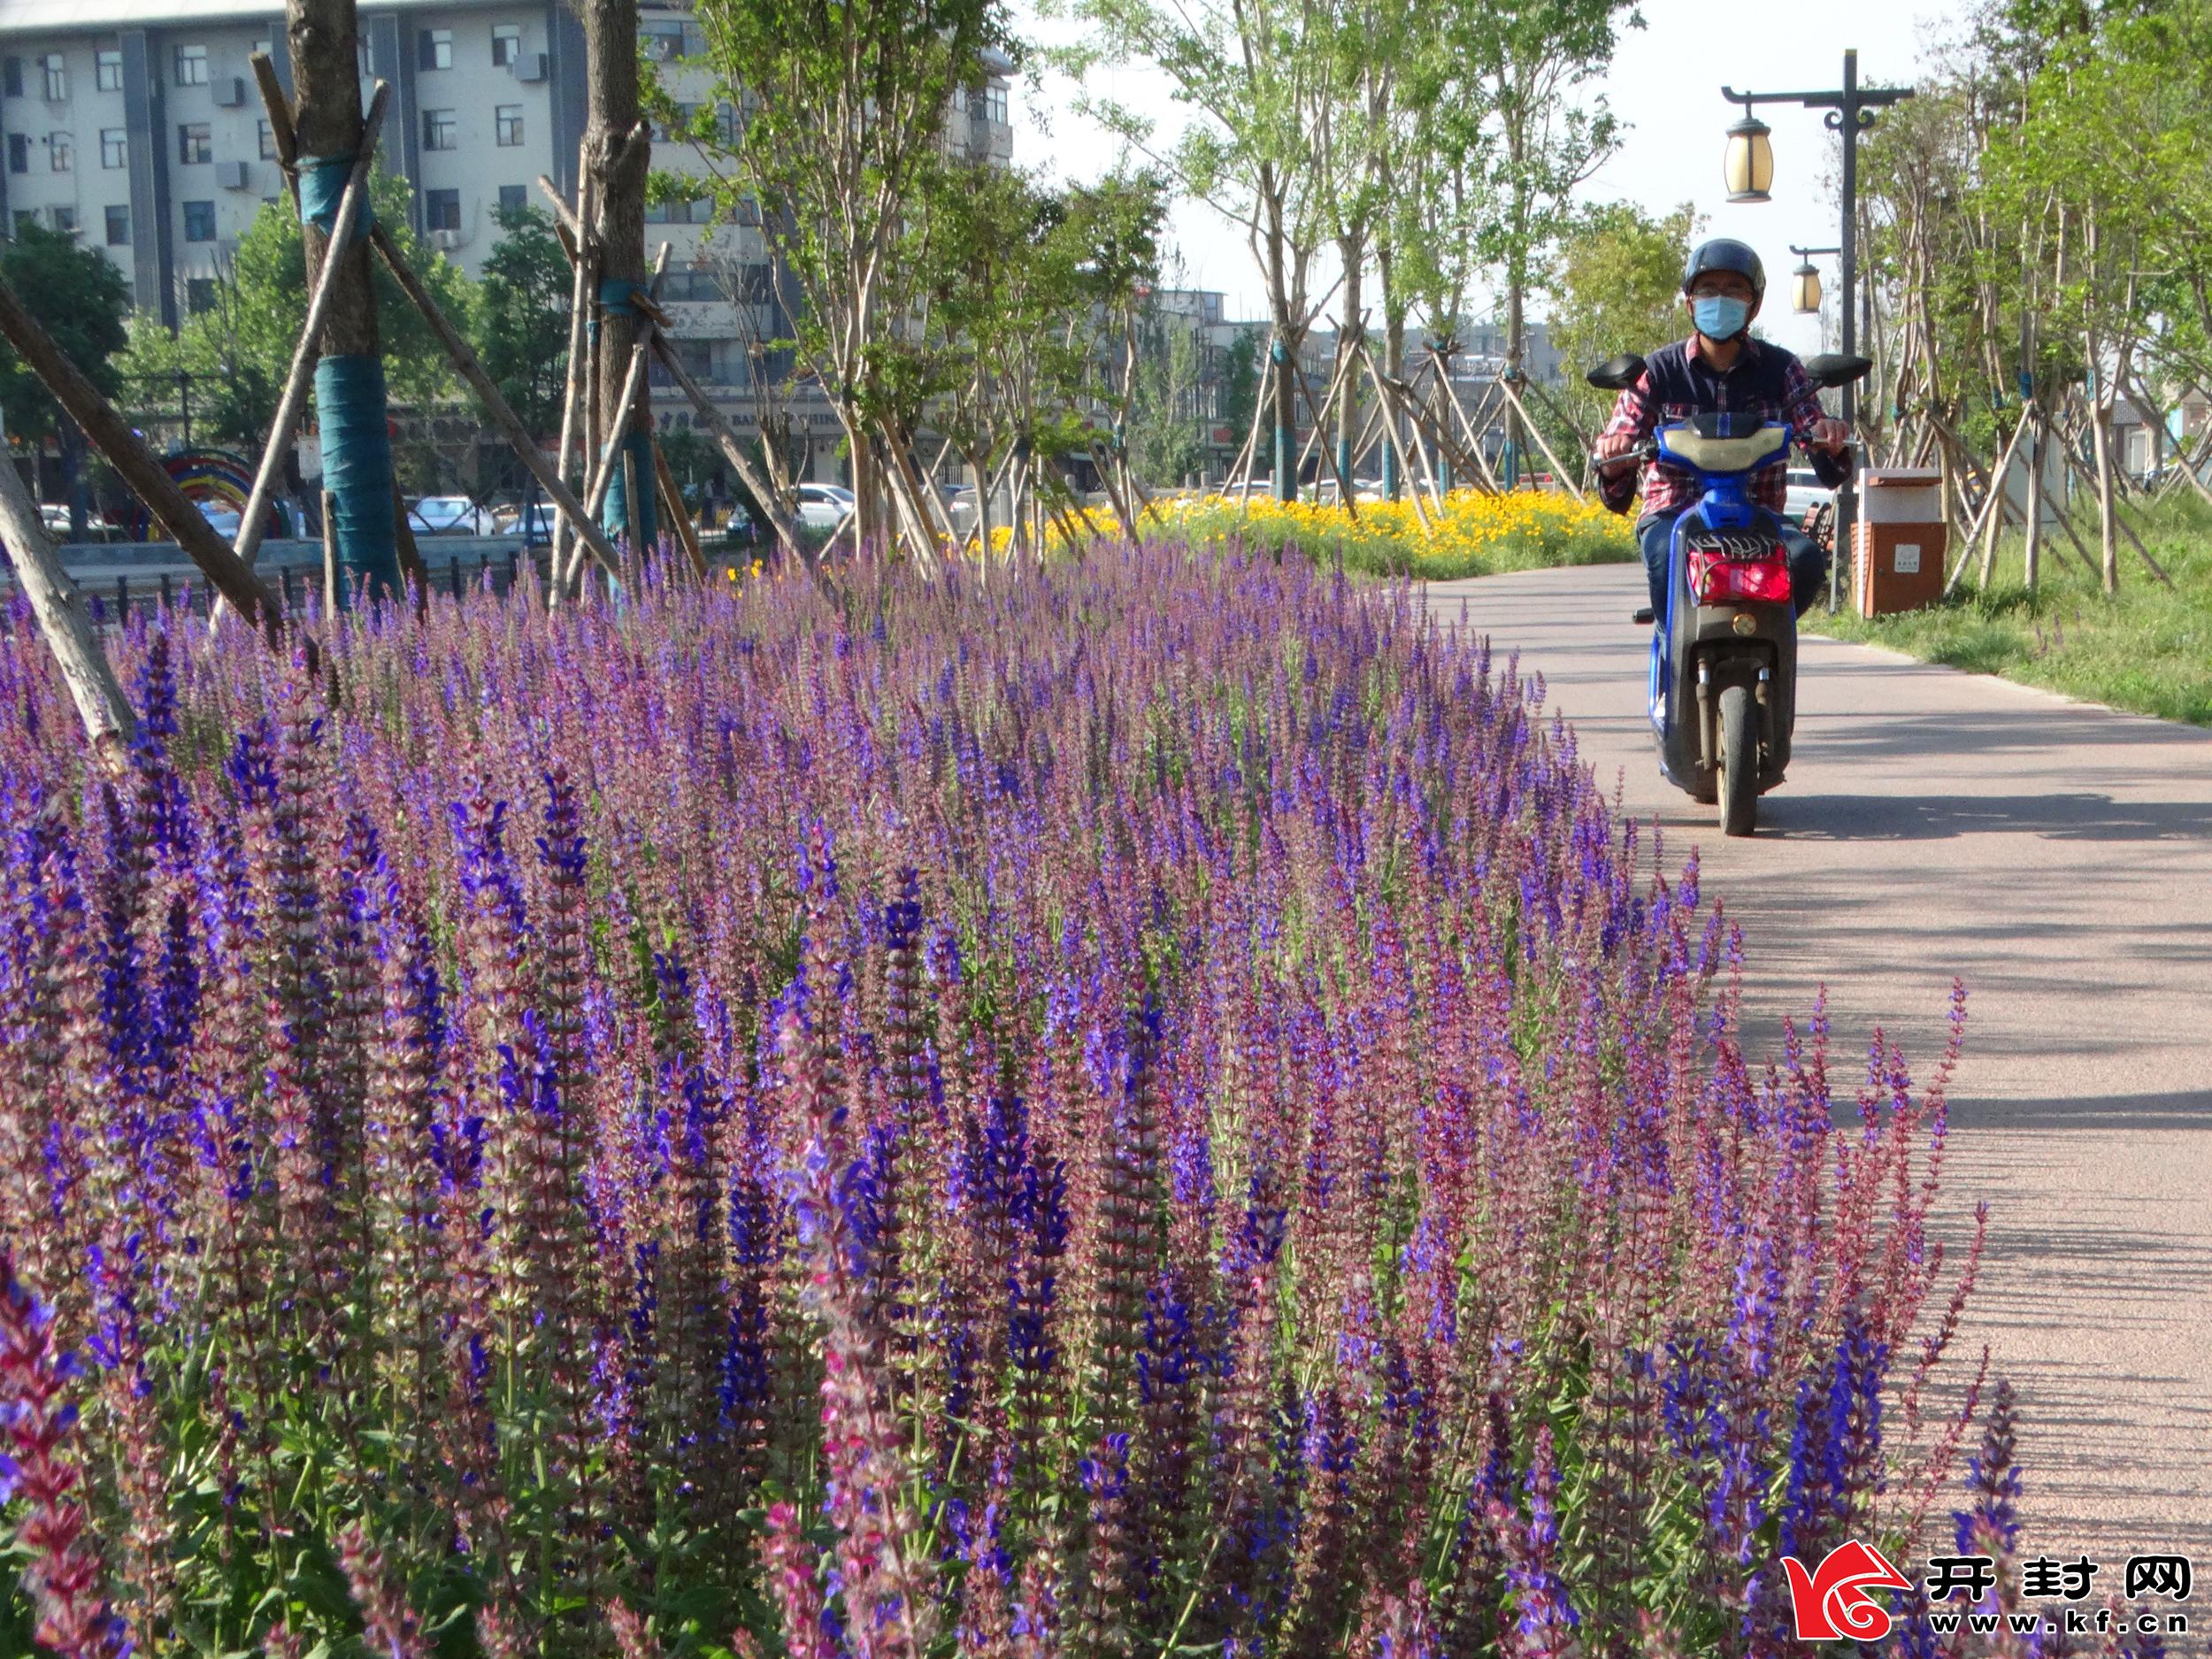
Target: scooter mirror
1833,368
1617,374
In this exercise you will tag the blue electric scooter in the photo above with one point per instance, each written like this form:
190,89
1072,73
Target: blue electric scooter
1723,655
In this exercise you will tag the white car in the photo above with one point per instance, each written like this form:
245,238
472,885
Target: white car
824,506
1806,492
450,515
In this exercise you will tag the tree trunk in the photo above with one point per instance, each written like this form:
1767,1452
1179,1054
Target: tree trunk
2032,556
620,154
2109,547
349,401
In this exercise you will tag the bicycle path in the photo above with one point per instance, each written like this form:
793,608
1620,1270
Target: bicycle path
2056,856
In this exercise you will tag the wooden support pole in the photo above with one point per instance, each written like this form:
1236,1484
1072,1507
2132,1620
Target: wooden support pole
509,423
331,578
1558,472
293,399
64,623
732,450
679,521
134,463
1382,393
585,256
634,402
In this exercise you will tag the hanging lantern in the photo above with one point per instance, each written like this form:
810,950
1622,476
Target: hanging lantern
1750,166
1805,288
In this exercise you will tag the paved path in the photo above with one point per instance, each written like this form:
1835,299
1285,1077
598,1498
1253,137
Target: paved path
2058,857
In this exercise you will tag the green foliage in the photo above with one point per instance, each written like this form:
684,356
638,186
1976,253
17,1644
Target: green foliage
239,348
2149,650
1240,381
80,296
522,305
1615,287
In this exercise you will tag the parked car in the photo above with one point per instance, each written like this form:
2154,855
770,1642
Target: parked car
1806,492
824,506
533,523
55,517
451,515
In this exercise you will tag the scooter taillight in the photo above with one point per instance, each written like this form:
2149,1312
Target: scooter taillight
1716,579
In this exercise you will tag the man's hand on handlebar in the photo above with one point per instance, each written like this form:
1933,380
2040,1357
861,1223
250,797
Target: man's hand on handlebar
1620,451
1828,435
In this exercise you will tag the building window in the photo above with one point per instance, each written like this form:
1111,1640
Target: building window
438,127
194,144
107,71
995,104
112,150
118,228
57,69
25,218
512,199
748,211
199,295
19,152
441,210
60,152
65,221
11,77
191,65
506,44
664,40
199,221
434,49
507,123
268,141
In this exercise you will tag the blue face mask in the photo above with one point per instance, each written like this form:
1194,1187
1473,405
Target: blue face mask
1718,316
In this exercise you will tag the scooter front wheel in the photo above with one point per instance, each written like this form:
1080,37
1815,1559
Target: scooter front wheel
1739,762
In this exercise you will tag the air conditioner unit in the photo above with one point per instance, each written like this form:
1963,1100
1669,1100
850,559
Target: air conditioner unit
234,175
230,92
446,241
530,67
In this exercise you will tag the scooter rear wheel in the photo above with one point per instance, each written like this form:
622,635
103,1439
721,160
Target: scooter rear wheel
1739,762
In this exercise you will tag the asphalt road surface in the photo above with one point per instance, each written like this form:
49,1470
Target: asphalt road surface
2056,855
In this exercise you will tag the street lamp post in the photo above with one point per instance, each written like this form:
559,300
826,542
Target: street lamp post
1850,112
1805,295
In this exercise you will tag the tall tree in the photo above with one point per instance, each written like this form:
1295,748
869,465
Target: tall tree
842,143
619,152
1524,61
79,296
350,400
237,346
522,327
1258,76
1615,286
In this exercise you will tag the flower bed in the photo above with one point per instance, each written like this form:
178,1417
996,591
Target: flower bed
1144,1105
1475,533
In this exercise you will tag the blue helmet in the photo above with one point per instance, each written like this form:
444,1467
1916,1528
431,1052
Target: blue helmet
1725,253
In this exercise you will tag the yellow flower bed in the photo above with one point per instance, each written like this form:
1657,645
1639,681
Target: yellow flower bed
1474,532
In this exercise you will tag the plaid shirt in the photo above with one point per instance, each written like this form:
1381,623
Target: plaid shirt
1677,382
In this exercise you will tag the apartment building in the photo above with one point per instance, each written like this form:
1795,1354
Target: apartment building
138,125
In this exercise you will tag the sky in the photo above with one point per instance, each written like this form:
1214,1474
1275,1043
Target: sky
1664,84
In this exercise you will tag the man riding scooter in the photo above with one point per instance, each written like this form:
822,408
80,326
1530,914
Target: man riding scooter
1720,368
